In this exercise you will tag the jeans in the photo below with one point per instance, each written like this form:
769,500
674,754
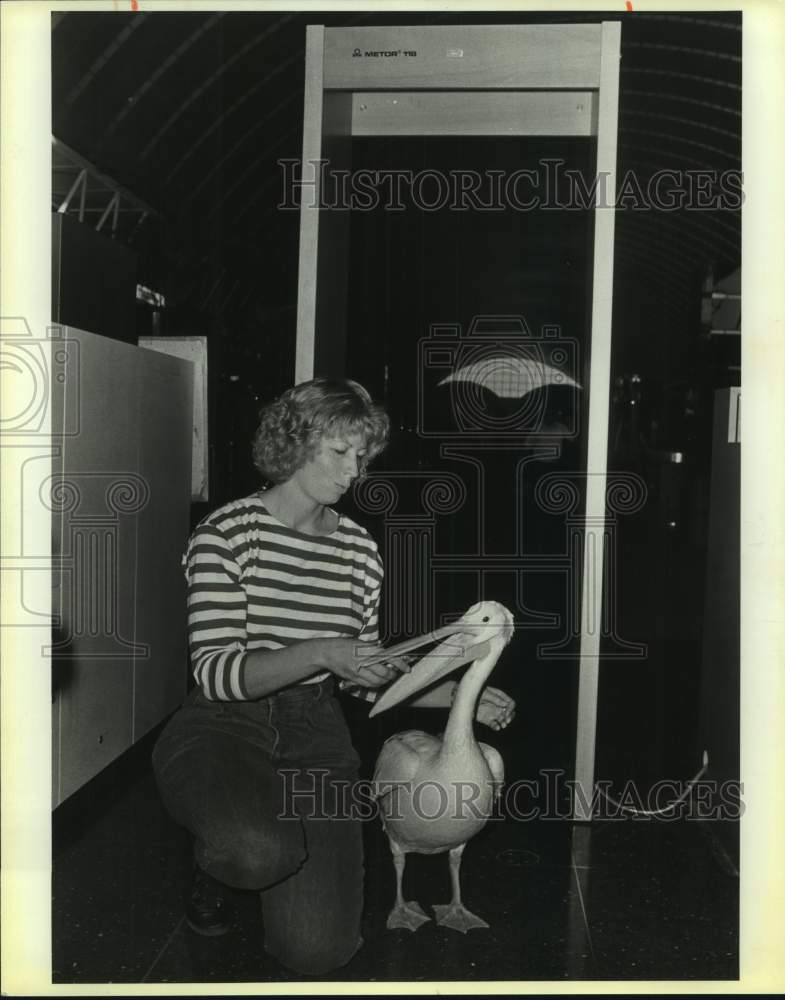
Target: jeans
253,782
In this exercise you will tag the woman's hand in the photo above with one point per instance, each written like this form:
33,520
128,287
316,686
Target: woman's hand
495,708
344,658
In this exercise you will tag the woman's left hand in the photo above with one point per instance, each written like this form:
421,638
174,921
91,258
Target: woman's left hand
495,709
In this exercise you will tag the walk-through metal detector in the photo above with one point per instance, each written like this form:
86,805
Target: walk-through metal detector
481,80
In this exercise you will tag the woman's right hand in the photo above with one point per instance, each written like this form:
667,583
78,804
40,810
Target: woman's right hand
344,658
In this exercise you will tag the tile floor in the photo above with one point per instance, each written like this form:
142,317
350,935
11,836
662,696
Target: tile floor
610,900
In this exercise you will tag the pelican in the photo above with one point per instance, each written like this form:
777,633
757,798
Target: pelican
435,793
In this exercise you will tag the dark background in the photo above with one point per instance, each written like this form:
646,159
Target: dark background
192,111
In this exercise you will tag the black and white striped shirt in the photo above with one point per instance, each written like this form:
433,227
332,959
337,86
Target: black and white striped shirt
254,583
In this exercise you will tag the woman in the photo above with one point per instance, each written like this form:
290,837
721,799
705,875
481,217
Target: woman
280,590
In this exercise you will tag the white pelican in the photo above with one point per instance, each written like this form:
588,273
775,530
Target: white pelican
435,793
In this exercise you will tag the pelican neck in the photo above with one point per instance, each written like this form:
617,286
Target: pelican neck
297,531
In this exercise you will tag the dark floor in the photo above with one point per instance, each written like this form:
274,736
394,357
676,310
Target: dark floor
631,899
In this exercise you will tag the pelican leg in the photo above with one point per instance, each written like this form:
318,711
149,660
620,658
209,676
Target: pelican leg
409,916
454,914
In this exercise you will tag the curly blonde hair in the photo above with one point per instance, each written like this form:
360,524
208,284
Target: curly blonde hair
292,426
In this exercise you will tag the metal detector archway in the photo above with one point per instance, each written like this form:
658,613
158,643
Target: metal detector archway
484,80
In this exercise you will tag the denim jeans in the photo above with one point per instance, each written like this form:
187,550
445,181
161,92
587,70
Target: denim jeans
259,785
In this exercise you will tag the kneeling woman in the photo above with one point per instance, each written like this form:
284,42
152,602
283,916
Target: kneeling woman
280,589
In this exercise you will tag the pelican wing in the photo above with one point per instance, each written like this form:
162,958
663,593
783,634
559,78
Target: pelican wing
400,761
510,377
495,764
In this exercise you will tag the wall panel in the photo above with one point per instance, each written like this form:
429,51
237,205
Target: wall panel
122,470
164,418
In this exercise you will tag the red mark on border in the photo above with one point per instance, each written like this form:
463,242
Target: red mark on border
135,4
628,5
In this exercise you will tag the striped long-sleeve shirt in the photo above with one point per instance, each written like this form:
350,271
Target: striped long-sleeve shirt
254,583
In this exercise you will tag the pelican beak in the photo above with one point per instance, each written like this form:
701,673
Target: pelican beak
446,657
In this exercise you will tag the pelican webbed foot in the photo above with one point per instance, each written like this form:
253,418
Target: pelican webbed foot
408,916
456,915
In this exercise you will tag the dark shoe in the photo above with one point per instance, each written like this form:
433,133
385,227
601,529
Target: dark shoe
206,911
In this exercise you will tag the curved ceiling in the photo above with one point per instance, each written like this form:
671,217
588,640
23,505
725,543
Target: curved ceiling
192,111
